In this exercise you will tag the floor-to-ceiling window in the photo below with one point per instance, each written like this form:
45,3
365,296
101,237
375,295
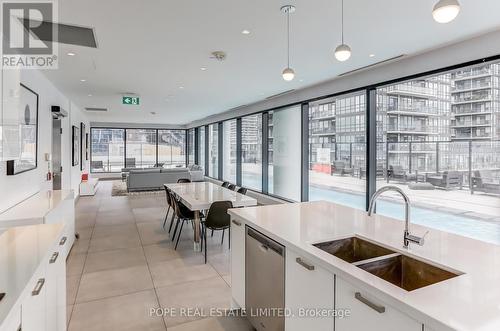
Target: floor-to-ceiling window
171,148
141,148
337,149
107,150
190,147
229,154
201,147
285,153
251,152
438,141
213,150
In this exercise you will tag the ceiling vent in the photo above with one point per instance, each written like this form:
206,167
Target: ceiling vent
218,55
373,65
95,109
66,34
280,94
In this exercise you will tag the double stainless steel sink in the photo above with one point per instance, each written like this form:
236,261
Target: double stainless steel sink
399,269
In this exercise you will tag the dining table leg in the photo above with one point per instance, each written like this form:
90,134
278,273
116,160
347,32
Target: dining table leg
197,244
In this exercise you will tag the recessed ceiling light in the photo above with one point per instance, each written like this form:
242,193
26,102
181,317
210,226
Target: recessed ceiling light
181,87
245,31
89,95
371,55
203,68
83,80
301,80
71,54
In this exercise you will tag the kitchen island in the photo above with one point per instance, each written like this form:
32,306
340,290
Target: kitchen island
316,279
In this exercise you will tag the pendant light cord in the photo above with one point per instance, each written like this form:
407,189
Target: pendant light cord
288,37
342,28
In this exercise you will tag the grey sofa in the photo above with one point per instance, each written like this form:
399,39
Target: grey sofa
154,178
446,179
486,181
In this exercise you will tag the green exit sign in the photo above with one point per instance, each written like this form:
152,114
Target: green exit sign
127,100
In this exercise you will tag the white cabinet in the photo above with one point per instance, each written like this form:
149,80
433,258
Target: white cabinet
367,312
34,305
238,262
56,293
308,289
65,213
13,321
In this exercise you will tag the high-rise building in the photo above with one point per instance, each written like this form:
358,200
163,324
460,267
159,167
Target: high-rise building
475,103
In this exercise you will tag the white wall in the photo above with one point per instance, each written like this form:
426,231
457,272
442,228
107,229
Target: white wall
14,189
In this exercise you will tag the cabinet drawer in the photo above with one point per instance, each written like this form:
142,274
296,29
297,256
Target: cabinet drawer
238,262
367,312
309,294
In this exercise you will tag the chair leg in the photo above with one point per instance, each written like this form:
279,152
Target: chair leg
171,222
205,234
175,229
166,216
222,241
212,233
202,236
179,236
229,237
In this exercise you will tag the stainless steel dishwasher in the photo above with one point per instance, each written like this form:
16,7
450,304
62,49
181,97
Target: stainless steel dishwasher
264,282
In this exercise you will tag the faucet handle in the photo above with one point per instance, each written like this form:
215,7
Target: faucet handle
422,240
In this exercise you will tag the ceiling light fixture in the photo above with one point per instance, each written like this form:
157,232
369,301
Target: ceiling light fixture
245,32
203,68
288,74
343,51
89,95
71,54
445,11
371,55
181,87
83,80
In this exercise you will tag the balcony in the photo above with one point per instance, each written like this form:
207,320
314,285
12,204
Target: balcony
412,90
321,115
470,112
459,124
416,129
329,131
414,111
470,87
466,135
483,97
475,73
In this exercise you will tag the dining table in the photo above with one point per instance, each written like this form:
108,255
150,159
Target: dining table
199,196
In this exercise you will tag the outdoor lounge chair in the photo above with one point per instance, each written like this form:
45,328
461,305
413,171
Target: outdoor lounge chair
340,167
97,166
446,179
487,181
396,172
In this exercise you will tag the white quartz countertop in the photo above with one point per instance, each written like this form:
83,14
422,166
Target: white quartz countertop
200,195
22,250
34,208
470,301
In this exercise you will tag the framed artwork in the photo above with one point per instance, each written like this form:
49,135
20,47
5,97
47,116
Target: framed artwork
86,146
75,150
28,133
83,145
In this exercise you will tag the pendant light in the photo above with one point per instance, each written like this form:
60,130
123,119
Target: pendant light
343,51
288,74
445,11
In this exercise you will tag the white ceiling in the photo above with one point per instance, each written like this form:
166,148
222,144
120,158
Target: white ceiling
152,47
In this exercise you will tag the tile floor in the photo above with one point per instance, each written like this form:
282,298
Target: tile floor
124,265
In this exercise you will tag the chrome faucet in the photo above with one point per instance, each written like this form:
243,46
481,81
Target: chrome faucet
408,238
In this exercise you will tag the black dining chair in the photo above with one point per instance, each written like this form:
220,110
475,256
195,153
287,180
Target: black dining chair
184,180
217,219
169,203
225,184
183,214
231,187
242,190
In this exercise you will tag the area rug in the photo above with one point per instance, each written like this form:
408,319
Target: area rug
120,189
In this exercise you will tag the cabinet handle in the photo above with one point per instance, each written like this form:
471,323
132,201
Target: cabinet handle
63,241
53,258
235,222
378,308
308,266
38,287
